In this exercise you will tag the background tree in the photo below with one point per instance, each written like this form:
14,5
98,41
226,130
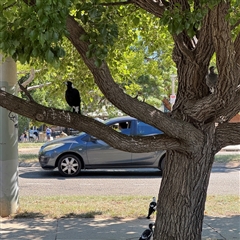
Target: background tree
132,67
101,31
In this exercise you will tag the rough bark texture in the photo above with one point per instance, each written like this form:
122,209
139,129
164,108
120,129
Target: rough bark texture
183,192
194,132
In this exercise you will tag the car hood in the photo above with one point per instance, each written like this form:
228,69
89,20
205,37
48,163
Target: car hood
68,139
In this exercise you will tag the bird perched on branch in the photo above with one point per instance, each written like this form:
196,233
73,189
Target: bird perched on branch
152,207
148,233
211,79
73,98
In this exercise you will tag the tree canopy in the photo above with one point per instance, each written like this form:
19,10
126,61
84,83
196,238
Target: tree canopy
129,63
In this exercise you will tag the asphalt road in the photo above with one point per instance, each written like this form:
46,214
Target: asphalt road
35,181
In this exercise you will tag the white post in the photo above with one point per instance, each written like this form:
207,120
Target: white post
173,77
9,189
173,96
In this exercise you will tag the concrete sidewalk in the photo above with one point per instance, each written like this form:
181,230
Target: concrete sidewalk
224,228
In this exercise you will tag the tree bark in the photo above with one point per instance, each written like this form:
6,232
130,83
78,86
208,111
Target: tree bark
182,196
183,192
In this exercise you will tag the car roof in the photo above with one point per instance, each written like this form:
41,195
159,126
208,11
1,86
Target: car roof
119,119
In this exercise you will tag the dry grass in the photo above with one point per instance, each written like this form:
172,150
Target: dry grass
110,207
227,158
28,152
29,145
28,157
222,205
84,206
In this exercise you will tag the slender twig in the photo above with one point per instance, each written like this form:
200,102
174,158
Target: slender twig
235,25
5,8
117,3
26,92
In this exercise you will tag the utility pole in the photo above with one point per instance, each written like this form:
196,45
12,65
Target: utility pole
9,189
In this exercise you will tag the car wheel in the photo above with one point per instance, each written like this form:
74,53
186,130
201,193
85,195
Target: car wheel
69,165
161,163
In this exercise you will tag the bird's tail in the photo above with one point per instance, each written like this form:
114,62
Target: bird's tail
77,109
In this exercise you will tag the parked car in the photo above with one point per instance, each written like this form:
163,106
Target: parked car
33,135
83,151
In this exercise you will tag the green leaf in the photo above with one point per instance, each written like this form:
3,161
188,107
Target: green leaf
60,53
35,52
84,18
49,56
33,34
98,62
89,54
84,37
41,38
55,36
91,46
12,51
38,3
136,21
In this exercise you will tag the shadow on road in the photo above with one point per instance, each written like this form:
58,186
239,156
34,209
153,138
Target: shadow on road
121,173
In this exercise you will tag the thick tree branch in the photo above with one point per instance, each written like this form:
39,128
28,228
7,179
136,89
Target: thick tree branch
59,117
204,49
117,97
218,106
224,50
227,134
151,6
227,113
211,108
185,48
116,3
237,52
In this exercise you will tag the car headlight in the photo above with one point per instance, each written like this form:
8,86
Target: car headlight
53,146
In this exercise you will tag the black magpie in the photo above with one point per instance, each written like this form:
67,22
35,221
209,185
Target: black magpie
152,207
211,79
148,233
72,97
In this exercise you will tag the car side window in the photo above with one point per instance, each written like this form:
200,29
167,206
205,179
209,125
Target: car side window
123,127
146,129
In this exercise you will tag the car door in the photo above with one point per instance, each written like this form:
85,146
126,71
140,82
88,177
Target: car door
148,158
100,154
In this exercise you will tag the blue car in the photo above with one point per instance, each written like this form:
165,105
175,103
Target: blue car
83,151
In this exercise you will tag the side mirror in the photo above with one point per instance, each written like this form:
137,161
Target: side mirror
93,139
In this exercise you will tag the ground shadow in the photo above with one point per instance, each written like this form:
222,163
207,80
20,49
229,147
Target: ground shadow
222,227
121,173
73,228
99,229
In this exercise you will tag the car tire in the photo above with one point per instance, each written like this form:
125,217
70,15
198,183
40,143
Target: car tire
69,165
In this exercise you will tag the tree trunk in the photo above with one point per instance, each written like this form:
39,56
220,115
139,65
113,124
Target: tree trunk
183,193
